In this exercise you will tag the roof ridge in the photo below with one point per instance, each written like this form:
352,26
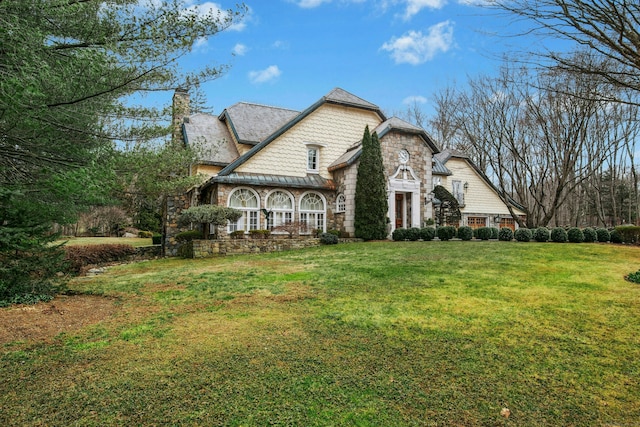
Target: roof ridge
263,105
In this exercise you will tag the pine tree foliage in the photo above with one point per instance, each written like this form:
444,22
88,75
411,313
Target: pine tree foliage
449,209
371,194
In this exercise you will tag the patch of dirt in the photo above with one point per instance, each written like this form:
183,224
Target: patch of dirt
43,321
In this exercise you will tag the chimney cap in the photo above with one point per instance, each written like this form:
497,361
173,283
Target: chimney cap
182,90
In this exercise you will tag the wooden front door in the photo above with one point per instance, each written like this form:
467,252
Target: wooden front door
399,210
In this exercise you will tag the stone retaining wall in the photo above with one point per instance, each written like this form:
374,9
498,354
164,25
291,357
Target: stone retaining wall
210,248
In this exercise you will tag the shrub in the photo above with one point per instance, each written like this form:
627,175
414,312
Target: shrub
495,233
82,256
335,232
187,236
259,234
615,237
505,234
238,234
603,235
575,235
559,235
589,235
145,234
629,233
446,232
413,234
399,234
465,233
156,239
523,235
542,234
427,233
483,233
328,239
634,277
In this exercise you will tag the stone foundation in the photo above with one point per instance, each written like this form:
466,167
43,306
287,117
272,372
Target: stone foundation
210,248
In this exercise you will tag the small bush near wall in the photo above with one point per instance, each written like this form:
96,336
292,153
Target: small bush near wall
542,234
523,235
495,233
603,235
427,233
505,234
145,234
413,234
575,235
589,235
446,232
559,235
399,234
629,233
156,239
465,233
259,234
328,239
187,236
615,237
483,233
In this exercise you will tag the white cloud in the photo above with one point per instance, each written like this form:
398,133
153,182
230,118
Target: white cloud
414,99
240,49
263,76
416,48
310,4
415,6
201,44
215,9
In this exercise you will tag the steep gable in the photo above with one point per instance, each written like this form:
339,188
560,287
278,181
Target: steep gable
253,123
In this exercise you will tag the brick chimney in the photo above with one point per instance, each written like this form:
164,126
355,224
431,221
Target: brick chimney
179,113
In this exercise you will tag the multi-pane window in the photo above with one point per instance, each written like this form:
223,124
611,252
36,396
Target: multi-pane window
457,192
341,203
280,206
312,159
312,212
477,221
246,201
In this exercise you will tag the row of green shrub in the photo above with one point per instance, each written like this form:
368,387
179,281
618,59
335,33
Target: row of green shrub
625,234
79,257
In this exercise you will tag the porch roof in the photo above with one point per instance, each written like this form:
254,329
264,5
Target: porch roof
310,181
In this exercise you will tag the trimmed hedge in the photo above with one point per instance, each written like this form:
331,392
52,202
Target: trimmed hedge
523,235
575,235
505,234
589,235
399,234
603,235
465,232
629,233
615,237
82,256
187,236
427,233
156,239
328,239
483,233
559,235
542,234
495,233
446,232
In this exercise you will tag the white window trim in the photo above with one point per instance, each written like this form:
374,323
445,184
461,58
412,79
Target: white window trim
341,203
318,148
246,218
274,211
315,213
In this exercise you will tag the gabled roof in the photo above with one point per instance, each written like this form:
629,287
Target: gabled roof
392,124
252,123
211,137
337,96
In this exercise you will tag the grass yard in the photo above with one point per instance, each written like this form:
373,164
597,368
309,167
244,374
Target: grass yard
367,334
133,241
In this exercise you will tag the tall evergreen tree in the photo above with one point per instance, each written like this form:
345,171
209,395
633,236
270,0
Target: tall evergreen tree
371,194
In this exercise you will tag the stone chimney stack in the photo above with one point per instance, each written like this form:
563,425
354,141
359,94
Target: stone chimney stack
180,113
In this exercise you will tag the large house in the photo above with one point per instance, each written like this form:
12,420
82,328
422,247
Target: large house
280,166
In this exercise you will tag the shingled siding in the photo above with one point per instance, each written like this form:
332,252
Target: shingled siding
210,248
334,128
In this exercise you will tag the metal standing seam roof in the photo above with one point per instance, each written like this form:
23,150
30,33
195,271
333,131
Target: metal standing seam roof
310,181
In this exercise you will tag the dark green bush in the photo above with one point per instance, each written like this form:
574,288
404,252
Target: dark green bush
335,232
559,235
187,236
238,234
523,235
603,235
82,256
446,232
629,233
427,233
465,232
328,239
483,233
634,277
575,235
542,234
589,235
615,237
413,234
145,234
495,233
399,234
156,239
505,234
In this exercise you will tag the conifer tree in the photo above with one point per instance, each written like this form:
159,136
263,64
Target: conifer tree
371,195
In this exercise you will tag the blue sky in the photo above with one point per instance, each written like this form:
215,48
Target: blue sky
289,53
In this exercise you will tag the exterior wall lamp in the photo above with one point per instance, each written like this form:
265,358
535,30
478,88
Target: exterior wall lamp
466,186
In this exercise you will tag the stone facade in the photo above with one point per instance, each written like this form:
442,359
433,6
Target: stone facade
210,248
174,206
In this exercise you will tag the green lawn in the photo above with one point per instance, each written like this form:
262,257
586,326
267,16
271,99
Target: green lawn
379,334
133,241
